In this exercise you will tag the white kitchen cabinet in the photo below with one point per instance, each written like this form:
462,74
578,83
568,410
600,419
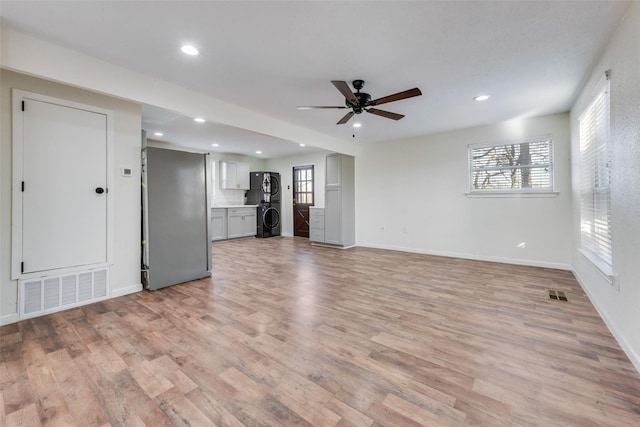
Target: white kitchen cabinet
316,225
339,201
241,222
234,175
243,176
333,170
218,224
250,223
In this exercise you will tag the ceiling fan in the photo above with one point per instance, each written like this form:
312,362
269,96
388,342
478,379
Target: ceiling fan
360,101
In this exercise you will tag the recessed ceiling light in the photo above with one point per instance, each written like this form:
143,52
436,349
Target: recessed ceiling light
357,125
303,145
199,120
189,50
215,145
158,134
481,97
258,152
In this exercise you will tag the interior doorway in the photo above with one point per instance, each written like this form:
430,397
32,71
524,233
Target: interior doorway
303,197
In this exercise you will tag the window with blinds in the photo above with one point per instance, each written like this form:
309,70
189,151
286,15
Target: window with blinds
523,166
595,192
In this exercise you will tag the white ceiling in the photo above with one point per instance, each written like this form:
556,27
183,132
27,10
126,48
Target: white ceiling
182,130
270,57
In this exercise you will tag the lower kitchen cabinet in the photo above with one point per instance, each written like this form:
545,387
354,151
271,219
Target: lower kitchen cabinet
233,222
241,222
218,224
316,225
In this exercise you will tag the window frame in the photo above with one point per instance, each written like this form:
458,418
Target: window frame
513,192
309,182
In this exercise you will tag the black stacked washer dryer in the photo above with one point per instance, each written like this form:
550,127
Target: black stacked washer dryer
265,192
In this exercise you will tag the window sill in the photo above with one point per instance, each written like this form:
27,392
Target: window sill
605,270
501,194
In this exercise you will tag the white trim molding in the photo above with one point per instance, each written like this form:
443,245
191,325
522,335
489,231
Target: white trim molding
131,289
503,260
633,356
8,319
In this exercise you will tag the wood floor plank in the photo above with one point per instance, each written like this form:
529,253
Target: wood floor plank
50,402
82,404
212,408
180,410
24,417
285,333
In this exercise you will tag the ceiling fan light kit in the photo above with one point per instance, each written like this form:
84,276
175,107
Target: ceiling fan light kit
361,101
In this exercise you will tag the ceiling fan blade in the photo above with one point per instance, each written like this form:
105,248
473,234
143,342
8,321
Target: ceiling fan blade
346,118
387,114
396,96
308,107
345,90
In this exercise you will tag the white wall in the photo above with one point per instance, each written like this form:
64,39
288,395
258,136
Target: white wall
125,273
619,309
419,185
284,167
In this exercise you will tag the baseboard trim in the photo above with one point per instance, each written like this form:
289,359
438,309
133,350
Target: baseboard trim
327,245
8,319
126,290
502,260
633,356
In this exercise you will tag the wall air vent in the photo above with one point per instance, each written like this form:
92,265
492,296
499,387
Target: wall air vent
48,294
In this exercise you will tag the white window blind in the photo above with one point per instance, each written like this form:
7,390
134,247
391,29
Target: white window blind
595,165
522,166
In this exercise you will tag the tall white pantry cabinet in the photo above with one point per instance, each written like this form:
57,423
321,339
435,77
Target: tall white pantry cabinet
339,201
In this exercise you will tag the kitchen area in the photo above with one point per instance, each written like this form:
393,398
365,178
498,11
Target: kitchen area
259,191
245,190
261,204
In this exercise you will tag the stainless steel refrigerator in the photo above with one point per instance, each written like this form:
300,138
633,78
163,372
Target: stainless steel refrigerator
176,211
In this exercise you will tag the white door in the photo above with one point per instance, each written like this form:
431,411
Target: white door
64,201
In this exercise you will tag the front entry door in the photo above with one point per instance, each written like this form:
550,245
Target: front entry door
64,183
302,199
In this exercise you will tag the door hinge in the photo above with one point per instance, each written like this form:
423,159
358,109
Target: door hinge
22,105
23,186
22,267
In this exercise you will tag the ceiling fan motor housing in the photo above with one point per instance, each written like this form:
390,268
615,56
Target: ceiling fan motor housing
363,98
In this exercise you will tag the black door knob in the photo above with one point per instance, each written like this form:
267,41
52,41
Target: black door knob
99,190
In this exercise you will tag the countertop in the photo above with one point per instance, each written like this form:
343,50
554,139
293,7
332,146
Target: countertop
233,206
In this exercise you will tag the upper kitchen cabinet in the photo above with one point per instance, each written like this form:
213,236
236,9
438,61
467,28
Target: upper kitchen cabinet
234,175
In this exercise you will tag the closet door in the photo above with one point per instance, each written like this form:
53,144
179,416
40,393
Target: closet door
64,186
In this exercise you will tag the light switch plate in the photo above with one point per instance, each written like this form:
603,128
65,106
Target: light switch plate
126,172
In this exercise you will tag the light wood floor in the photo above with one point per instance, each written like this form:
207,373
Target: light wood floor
289,334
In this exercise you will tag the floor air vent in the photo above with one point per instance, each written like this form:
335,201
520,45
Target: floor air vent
43,295
557,295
